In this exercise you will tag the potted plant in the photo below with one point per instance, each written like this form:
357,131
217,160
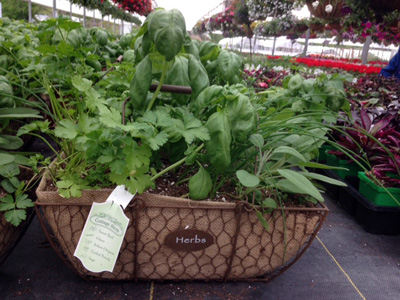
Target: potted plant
381,184
388,195
358,140
316,25
326,9
17,183
142,8
17,180
178,151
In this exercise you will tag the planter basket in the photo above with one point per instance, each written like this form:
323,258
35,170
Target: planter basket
241,250
320,11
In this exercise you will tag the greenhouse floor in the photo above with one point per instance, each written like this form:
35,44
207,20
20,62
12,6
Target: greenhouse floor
344,262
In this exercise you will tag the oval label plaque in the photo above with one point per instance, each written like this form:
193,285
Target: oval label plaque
189,240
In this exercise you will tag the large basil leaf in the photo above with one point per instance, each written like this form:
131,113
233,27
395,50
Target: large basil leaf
242,116
200,185
178,75
191,47
141,82
167,30
229,64
208,51
198,76
212,70
207,96
142,46
219,145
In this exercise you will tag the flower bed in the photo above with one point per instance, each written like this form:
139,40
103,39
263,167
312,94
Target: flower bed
334,63
329,63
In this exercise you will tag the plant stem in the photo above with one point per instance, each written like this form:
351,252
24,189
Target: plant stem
173,166
164,72
46,142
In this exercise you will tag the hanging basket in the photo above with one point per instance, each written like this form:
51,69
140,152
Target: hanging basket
142,7
334,25
321,10
317,27
239,246
300,28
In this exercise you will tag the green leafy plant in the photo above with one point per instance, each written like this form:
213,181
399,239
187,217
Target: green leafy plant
15,184
221,138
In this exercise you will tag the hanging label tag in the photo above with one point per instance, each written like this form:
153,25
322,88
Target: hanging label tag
103,234
120,196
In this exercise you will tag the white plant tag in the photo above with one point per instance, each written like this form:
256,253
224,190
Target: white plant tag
120,196
103,233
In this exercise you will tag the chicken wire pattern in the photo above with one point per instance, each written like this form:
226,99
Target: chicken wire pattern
242,248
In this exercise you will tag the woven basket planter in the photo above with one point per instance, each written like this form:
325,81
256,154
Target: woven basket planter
241,248
320,11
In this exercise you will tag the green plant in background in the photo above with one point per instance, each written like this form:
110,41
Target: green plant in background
322,96
221,135
20,11
14,183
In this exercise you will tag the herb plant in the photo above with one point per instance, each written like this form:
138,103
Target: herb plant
220,137
14,180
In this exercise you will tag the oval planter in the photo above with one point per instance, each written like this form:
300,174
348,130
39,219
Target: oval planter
376,194
241,248
320,11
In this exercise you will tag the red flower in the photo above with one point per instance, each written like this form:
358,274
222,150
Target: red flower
141,7
263,85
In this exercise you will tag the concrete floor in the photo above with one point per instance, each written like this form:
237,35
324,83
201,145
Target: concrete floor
344,262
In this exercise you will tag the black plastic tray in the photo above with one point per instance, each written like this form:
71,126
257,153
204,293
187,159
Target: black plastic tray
340,194
372,218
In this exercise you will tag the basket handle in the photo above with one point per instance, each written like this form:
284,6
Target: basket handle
177,89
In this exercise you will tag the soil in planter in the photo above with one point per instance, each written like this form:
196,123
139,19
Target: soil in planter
174,184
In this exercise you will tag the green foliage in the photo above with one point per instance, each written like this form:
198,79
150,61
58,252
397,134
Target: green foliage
247,179
200,185
218,146
141,83
222,134
167,30
21,11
